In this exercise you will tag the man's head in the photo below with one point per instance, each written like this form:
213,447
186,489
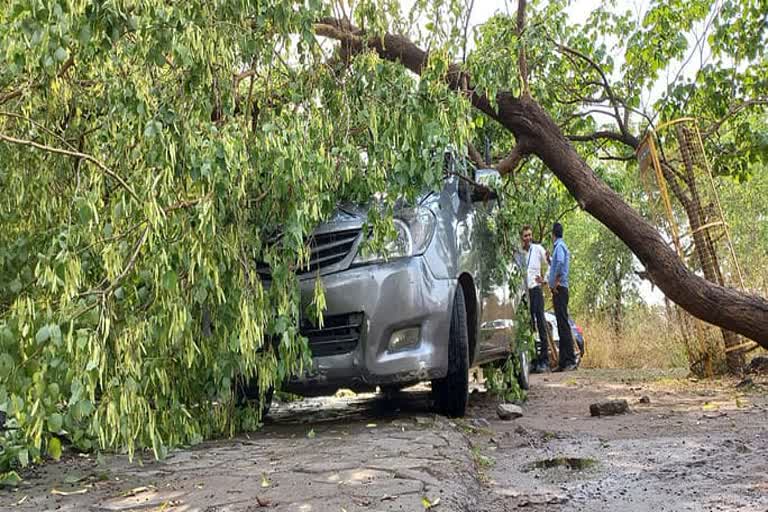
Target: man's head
557,230
526,235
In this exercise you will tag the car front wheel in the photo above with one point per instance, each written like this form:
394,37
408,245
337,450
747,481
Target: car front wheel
451,393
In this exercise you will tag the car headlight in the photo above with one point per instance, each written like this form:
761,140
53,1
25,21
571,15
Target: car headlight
414,228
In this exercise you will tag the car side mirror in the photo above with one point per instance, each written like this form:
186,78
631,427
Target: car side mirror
487,182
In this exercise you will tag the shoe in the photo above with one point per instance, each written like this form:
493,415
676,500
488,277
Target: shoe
542,368
569,367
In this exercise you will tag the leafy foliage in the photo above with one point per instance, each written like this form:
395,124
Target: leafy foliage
151,153
501,376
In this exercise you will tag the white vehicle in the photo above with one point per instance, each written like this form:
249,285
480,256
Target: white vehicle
554,338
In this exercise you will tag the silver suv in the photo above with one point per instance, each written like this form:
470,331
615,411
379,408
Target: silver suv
429,312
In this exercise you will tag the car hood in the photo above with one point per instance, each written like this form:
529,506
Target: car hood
350,215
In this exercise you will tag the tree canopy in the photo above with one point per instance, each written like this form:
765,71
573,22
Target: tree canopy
151,152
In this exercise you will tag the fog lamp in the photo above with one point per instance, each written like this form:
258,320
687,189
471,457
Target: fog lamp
404,338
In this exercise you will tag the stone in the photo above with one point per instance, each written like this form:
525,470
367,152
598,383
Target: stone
509,411
758,364
645,399
609,408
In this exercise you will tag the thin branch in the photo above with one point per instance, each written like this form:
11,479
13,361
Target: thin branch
75,154
584,113
131,262
37,125
522,61
579,99
466,30
617,158
187,203
698,45
566,212
398,48
128,267
628,139
732,111
614,102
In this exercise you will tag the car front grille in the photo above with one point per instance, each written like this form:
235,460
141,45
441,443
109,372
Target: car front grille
340,334
326,249
330,248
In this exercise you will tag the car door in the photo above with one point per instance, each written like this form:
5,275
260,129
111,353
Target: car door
497,318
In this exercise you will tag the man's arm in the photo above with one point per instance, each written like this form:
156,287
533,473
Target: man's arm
542,277
556,268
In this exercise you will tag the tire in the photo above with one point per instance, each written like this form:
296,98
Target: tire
451,393
523,375
247,392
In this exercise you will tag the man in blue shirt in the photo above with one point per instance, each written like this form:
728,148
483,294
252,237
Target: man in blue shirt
558,283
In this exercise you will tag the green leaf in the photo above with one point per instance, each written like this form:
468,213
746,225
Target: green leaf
55,333
54,448
61,54
23,457
200,295
55,422
84,36
169,280
43,334
9,479
6,365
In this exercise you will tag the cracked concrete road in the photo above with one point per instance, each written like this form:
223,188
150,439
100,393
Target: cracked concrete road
697,446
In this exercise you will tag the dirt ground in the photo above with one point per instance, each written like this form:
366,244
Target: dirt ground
694,446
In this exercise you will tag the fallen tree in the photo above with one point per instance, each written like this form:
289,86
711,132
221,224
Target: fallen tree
537,134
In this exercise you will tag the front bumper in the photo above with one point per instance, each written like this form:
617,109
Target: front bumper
383,298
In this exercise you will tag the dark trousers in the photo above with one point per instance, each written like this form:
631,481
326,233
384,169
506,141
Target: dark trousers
536,301
560,300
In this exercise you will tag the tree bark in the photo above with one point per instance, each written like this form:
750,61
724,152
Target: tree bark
532,126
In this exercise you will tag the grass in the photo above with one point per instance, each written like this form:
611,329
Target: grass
647,340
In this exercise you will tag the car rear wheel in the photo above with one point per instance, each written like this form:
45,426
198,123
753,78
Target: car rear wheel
451,393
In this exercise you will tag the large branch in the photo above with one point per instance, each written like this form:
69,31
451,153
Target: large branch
531,124
514,158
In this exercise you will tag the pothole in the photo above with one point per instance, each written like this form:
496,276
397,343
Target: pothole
572,463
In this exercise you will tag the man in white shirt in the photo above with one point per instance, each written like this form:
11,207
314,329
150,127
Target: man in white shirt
534,257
